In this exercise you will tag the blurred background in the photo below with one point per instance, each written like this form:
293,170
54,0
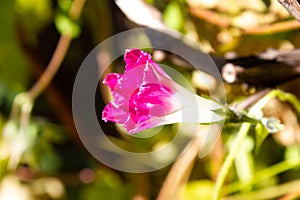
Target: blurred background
41,155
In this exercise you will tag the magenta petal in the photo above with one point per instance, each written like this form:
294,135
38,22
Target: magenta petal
107,114
154,74
135,57
112,79
151,100
127,86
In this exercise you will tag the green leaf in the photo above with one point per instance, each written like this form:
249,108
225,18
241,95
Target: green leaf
107,186
173,16
244,162
51,132
10,130
13,66
1,122
65,5
198,190
42,157
66,26
16,141
292,153
34,15
261,133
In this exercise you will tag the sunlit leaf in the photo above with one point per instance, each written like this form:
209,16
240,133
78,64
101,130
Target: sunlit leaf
52,132
198,190
42,157
40,10
12,59
107,186
292,153
65,5
173,16
66,26
261,133
244,162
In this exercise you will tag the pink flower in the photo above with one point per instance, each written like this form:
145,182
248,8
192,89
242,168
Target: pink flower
145,97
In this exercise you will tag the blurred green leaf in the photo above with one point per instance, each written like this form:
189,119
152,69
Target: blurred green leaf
244,162
66,26
107,186
32,146
1,123
6,98
195,190
13,66
292,153
65,5
15,142
52,132
173,16
261,133
40,154
42,157
10,130
34,13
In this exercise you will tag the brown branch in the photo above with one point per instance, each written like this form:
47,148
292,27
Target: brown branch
292,6
142,185
58,55
52,67
269,69
210,16
273,28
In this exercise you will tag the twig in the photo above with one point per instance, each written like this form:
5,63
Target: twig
269,68
52,68
273,28
58,55
210,16
292,6
141,183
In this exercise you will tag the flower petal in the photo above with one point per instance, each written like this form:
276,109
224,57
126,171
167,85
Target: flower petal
151,100
111,80
135,57
107,114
